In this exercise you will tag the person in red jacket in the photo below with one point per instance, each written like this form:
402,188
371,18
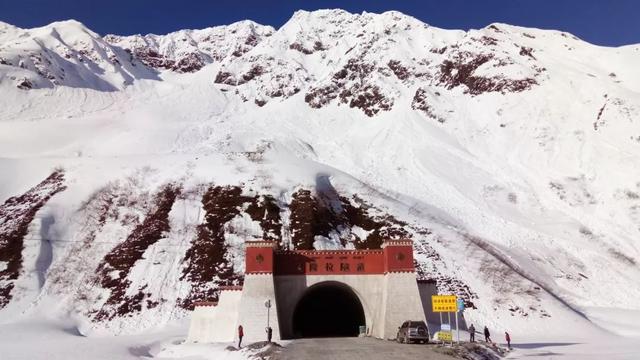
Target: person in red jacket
508,338
240,335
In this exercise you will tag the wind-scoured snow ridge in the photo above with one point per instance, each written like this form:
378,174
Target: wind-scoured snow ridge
508,155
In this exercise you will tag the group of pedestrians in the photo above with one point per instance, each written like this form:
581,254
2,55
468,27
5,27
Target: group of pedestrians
471,329
268,330
487,336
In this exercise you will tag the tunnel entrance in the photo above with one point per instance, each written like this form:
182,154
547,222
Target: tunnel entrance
328,309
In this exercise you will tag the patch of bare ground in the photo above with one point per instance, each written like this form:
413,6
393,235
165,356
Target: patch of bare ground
400,71
265,210
15,216
207,265
227,78
326,212
115,267
351,86
380,226
599,122
317,46
460,71
473,351
421,102
263,350
309,217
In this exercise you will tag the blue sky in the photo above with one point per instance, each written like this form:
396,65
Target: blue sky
606,22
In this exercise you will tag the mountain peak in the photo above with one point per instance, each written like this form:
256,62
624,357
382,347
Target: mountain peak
69,25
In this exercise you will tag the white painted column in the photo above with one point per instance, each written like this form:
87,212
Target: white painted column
256,290
401,302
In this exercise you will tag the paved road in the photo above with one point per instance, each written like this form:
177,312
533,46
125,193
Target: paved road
356,349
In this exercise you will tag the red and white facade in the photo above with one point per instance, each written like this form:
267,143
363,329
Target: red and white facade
384,281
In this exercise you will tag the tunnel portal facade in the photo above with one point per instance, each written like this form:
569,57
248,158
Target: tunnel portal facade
315,293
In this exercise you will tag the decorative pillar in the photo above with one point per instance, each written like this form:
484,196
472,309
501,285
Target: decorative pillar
258,287
401,298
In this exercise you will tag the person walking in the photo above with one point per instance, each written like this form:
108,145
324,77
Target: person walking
472,333
240,335
487,335
508,338
269,333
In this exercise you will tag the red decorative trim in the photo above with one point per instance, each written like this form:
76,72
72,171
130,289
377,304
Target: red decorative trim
403,242
205,303
230,288
328,252
262,257
260,243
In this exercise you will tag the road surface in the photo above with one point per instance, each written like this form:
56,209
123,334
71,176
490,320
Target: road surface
357,349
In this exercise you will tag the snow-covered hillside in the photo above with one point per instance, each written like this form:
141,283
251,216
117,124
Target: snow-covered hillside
134,168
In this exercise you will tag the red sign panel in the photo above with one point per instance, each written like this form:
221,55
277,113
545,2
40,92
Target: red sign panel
329,262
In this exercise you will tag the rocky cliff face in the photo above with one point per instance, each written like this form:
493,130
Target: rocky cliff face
190,50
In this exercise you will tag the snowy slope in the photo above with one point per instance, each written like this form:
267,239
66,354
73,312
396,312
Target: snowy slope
509,155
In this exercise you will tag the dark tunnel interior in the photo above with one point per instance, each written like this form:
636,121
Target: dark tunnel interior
328,310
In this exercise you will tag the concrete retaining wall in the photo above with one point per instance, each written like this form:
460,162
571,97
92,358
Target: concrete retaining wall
401,301
216,323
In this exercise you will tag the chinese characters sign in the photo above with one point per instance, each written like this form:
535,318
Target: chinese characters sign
445,336
329,262
444,303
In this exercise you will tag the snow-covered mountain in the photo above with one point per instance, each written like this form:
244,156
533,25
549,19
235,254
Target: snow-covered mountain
134,168
67,53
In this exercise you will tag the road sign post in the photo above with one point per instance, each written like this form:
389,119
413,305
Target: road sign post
460,307
448,304
440,328
457,329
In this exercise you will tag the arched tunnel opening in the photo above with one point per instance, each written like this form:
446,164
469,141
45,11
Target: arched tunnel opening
328,310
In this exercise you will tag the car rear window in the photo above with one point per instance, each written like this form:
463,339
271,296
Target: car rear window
417,324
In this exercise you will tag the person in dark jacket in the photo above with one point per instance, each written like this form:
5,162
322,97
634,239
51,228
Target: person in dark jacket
508,338
472,333
487,335
240,335
269,333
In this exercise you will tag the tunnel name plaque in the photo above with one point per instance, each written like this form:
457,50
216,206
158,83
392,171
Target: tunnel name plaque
326,262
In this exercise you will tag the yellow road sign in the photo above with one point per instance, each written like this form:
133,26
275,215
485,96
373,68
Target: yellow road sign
445,336
444,303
